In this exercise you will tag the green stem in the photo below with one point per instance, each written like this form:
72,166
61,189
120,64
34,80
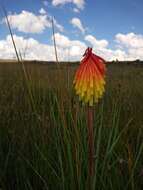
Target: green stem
90,141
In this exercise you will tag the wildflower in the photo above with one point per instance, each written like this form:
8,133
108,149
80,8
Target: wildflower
89,81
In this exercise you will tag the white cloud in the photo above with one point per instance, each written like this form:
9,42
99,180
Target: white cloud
34,49
135,53
110,54
79,3
128,47
132,43
64,41
72,48
76,10
100,47
28,22
130,40
42,11
96,43
76,22
67,49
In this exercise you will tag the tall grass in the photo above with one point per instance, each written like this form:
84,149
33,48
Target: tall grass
48,150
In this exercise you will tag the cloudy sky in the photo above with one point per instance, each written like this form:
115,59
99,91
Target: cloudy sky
113,28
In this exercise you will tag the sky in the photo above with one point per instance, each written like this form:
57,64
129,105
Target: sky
112,28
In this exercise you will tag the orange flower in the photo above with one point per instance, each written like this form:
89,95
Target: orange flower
89,81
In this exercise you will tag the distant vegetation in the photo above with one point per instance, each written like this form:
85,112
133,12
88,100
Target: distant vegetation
43,137
135,62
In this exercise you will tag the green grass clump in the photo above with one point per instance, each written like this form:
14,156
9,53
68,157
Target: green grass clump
43,134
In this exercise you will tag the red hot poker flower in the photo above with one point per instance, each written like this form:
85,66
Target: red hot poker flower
89,81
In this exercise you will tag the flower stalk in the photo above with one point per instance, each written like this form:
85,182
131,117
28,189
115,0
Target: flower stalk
90,141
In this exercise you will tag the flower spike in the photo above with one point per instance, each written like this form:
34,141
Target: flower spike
89,81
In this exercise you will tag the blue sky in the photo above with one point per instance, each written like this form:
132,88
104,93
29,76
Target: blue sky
113,28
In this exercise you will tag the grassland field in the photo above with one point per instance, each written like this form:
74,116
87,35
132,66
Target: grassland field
43,134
